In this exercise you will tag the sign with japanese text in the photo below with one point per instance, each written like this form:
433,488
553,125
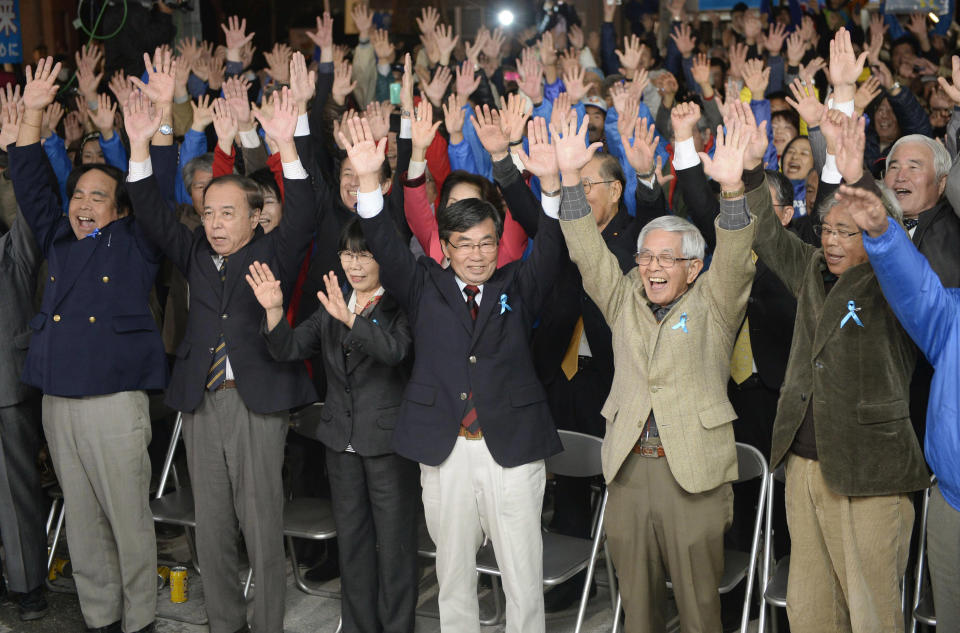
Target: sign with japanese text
11,44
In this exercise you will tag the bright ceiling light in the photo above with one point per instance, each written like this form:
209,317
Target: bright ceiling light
505,17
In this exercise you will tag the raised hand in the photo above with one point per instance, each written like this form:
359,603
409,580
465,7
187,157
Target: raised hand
41,85
235,31
738,58
850,149
431,47
867,92
877,30
684,39
575,85
445,41
281,125
225,124
235,92
866,208
11,115
406,87
726,166
494,44
141,120
627,113
467,79
10,94
643,148
72,128
701,71
423,129
363,18
756,135
278,62
342,86
796,47
322,37
805,102
808,72
333,301
831,125
378,115
541,161
845,66
385,51
562,110
51,118
513,117
641,78
756,77
572,150
531,75
161,80
630,55
303,83
752,26
952,87
492,137
474,49
216,70
266,288
429,17
684,118
202,113
438,85
775,37
548,50
365,155
575,37
453,117
87,59
104,115
667,87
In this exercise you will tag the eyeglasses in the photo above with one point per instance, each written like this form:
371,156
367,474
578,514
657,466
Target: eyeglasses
486,247
587,185
364,257
825,230
665,260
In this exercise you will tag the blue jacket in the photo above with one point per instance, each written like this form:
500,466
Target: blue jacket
930,314
94,333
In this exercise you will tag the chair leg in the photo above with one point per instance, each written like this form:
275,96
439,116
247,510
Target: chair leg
246,584
590,566
498,607
339,625
51,515
56,539
616,615
298,577
611,576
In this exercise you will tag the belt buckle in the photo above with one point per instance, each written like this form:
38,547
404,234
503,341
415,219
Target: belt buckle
655,450
470,435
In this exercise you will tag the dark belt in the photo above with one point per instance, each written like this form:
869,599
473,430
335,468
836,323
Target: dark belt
648,451
227,384
752,382
464,432
583,361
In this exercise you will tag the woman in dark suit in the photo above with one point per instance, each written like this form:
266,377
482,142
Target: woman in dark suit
366,344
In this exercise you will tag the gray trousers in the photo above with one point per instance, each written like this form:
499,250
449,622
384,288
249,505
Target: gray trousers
21,514
943,557
236,459
99,448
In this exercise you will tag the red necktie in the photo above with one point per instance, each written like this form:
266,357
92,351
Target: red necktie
469,421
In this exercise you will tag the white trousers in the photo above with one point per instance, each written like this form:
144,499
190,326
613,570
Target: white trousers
470,495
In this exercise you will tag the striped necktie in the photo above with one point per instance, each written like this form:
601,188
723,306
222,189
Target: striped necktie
217,374
469,421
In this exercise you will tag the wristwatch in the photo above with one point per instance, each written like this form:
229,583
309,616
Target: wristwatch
166,129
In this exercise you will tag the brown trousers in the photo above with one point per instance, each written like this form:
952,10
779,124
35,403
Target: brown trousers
657,529
847,556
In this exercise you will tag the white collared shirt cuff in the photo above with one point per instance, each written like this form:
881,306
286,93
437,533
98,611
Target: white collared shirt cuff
383,69
846,106
249,138
406,128
303,126
416,169
551,205
517,162
648,182
294,170
830,173
369,204
140,171
685,155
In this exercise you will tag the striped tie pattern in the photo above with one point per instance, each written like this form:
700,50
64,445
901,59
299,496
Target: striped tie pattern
217,374
469,421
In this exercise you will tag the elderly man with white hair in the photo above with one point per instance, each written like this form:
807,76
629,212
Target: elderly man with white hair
917,170
669,453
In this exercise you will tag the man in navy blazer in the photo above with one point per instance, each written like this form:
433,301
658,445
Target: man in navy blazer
234,397
474,414
94,352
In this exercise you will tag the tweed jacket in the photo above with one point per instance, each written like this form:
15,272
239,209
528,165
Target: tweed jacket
856,376
677,368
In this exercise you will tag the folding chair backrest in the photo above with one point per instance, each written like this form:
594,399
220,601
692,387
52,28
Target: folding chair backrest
580,456
751,463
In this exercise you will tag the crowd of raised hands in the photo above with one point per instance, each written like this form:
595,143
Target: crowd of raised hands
500,93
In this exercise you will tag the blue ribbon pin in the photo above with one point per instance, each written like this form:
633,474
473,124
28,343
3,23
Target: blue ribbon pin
503,304
852,314
682,323
95,233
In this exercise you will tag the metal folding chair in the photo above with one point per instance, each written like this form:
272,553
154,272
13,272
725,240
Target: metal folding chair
774,582
738,565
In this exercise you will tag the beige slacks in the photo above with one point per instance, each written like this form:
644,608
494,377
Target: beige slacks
470,495
656,528
99,448
847,555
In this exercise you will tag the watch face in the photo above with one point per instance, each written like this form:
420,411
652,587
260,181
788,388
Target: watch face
166,129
